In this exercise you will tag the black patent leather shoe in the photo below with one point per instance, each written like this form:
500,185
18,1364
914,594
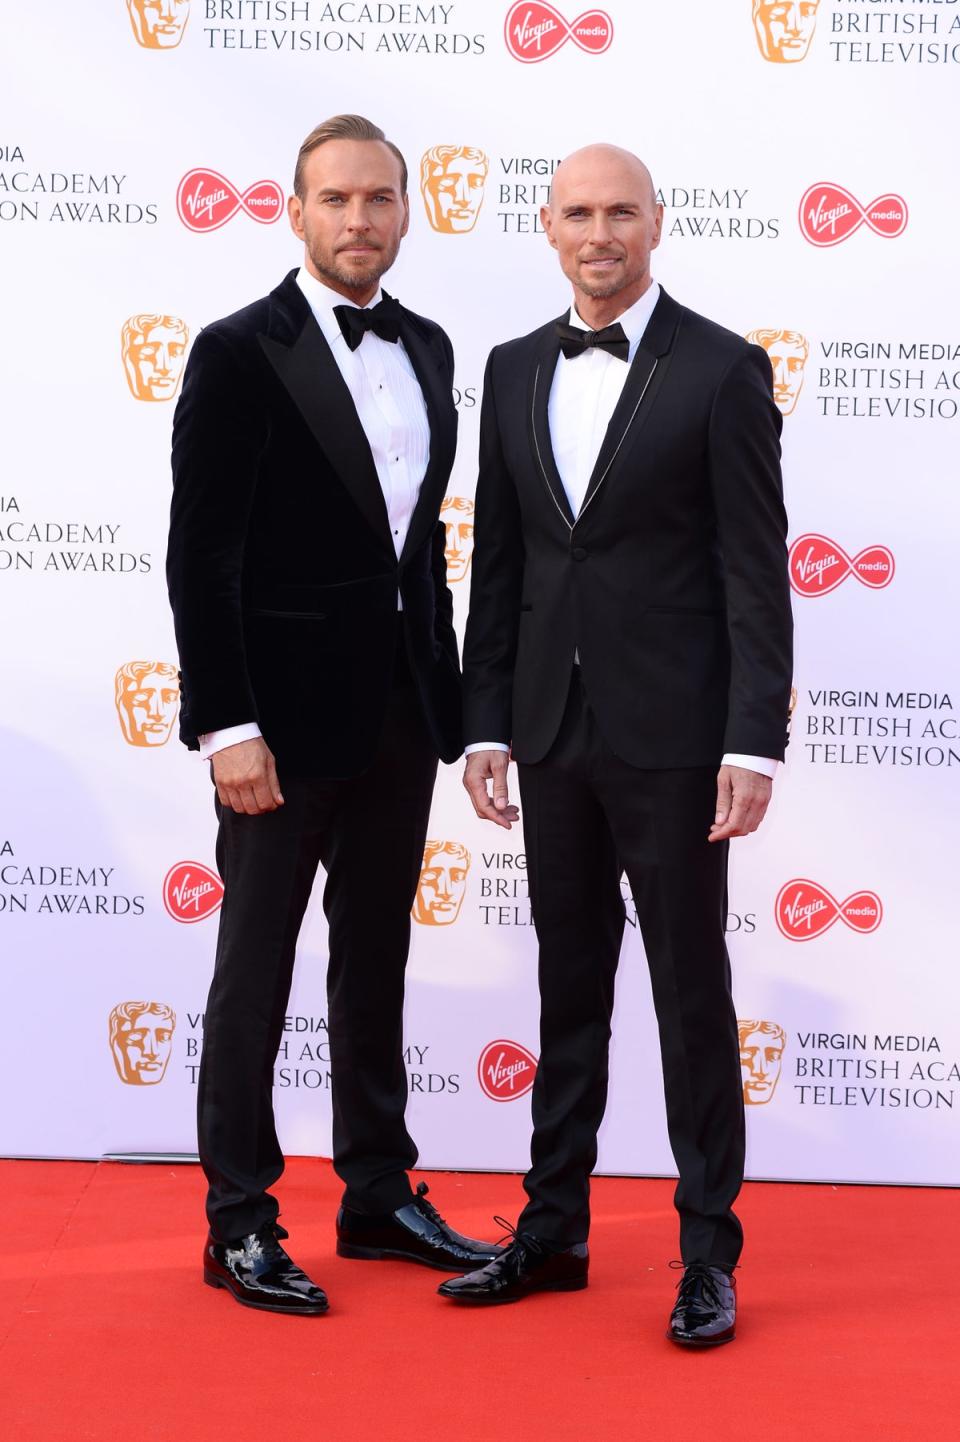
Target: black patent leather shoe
705,1314
414,1233
528,1265
257,1272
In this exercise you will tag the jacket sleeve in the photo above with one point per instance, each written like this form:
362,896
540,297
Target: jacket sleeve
218,433
744,458
490,646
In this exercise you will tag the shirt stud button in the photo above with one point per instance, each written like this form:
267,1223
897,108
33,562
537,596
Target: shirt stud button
578,553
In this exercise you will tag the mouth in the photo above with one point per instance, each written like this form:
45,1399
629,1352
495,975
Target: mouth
358,250
602,262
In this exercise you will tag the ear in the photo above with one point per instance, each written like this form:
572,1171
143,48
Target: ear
546,220
657,228
406,216
295,216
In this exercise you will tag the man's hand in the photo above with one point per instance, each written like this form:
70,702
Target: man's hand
742,800
484,766
246,777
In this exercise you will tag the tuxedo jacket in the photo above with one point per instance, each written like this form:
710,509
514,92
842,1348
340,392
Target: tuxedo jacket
281,567
671,583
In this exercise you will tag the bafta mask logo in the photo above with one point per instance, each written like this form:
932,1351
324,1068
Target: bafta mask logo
784,31
443,883
788,351
148,700
147,697
452,178
141,1038
456,513
761,1057
154,348
159,24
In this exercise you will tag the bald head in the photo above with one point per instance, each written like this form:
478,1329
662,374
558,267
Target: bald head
603,220
607,163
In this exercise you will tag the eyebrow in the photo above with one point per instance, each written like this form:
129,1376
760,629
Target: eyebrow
373,190
614,205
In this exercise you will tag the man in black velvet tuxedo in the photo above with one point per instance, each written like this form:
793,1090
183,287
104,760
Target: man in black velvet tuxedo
630,640
311,451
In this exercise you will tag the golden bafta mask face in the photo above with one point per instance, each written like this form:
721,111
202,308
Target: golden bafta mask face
141,1039
456,513
159,24
761,1057
443,883
784,31
154,349
788,357
452,180
147,699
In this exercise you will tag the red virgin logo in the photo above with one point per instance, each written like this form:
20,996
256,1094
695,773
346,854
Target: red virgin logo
191,891
818,565
506,1070
534,31
805,909
830,214
206,200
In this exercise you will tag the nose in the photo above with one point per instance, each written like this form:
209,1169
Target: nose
356,218
780,377
163,360
793,19
600,232
461,192
154,708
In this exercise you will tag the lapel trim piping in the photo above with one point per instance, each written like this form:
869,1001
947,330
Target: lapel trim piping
536,443
623,437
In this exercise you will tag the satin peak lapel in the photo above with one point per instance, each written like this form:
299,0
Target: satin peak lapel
639,393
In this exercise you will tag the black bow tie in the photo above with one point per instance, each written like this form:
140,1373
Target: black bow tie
383,319
574,341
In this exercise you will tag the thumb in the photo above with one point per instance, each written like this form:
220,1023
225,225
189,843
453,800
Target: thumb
500,794
273,781
724,798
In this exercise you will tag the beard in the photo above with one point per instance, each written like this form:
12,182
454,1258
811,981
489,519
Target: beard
353,276
604,289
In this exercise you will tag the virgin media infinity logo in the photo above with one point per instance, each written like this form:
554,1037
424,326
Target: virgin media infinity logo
206,200
805,909
506,1070
533,31
829,214
191,891
818,565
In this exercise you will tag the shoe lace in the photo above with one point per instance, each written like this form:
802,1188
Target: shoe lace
427,1208
698,1276
272,1232
523,1241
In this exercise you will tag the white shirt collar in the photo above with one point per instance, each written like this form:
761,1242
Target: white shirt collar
322,299
634,320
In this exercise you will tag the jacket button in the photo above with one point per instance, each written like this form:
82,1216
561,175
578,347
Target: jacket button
578,553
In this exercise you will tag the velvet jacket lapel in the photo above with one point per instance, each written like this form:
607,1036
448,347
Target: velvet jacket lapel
298,352
427,358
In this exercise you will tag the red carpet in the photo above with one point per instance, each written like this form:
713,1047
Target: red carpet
848,1302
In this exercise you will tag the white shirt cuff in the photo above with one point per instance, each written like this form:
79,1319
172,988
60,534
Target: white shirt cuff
485,746
763,764
213,741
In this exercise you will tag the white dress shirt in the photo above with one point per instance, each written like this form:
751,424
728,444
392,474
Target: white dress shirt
583,397
392,411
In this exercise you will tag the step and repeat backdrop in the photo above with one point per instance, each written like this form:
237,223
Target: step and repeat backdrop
803,154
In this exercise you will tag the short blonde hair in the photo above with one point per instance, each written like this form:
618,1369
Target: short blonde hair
343,127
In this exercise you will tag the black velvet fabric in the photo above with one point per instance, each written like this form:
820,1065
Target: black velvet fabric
281,568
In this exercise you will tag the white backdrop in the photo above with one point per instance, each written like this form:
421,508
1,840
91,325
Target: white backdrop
855,1076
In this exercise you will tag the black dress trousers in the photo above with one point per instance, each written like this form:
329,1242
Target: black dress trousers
368,833
588,817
